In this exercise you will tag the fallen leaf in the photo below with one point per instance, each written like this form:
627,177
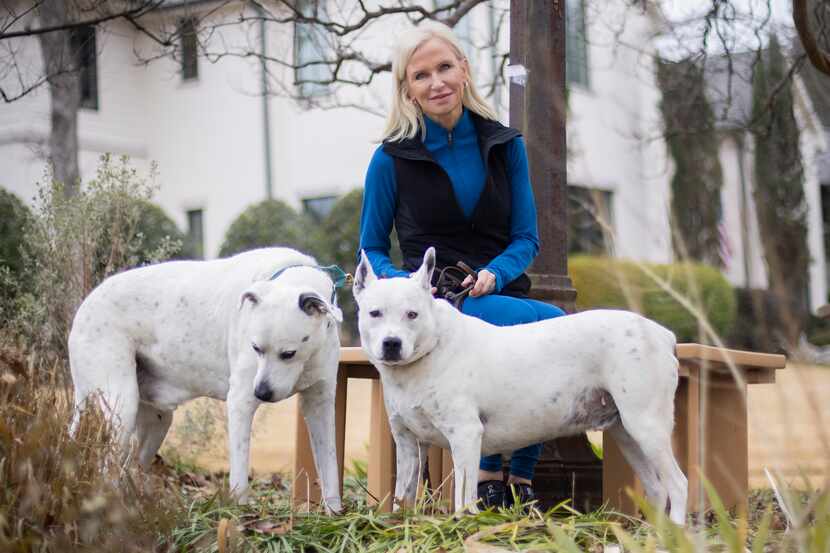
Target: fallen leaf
277,528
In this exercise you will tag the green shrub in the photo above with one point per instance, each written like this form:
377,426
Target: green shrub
605,282
268,223
336,241
158,230
705,287
337,237
14,216
614,283
72,243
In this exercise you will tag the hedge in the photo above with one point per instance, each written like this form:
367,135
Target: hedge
265,224
14,216
603,282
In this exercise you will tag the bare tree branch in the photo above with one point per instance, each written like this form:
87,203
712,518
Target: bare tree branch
819,57
138,11
15,17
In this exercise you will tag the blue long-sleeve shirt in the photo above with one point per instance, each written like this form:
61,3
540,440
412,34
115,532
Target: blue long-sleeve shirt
462,162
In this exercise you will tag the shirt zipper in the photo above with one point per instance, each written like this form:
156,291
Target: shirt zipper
449,138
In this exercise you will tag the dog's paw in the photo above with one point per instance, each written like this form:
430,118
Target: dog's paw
469,509
333,506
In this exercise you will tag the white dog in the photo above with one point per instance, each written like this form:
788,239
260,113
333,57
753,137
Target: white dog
256,327
456,381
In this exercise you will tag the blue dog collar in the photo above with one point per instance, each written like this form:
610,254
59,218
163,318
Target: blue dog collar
339,277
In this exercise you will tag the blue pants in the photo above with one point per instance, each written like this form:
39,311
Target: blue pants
508,311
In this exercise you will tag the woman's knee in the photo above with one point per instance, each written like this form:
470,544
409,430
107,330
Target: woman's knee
544,310
500,310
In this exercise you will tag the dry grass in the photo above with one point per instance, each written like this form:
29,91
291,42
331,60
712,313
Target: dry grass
66,494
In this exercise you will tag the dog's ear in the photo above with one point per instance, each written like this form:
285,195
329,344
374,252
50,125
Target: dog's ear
249,295
312,304
364,274
424,272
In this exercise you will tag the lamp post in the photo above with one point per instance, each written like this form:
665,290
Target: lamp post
568,468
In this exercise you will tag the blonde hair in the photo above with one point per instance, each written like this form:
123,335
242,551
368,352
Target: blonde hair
405,117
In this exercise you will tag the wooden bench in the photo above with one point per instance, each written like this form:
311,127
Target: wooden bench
710,435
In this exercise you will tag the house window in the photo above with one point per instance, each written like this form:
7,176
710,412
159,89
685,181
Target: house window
311,47
82,40
195,233
589,220
190,49
576,43
319,208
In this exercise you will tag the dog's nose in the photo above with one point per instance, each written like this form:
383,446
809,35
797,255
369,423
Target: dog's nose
263,392
391,349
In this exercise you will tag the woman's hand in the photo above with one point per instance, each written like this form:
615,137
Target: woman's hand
485,283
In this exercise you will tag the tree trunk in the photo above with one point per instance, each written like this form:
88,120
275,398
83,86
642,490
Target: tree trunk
60,64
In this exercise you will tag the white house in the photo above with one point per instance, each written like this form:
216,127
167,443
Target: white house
222,146
731,98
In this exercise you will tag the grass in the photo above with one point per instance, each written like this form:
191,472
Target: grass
66,494
63,493
270,524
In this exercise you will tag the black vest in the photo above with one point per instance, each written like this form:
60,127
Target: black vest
427,212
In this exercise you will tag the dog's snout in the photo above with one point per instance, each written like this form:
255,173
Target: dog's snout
391,349
263,392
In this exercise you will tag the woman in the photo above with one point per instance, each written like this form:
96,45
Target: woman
449,175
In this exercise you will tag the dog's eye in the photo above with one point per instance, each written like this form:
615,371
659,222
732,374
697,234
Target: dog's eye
286,355
375,313
411,315
257,349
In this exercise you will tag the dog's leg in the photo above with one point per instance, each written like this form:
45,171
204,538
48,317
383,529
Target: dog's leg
676,483
671,476
105,368
317,406
151,426
647,414
465,445
655,491
410,457
653,437
241,406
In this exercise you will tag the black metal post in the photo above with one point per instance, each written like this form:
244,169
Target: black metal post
538,108
568,468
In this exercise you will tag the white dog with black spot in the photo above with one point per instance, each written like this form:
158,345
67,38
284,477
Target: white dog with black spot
256,327
458,382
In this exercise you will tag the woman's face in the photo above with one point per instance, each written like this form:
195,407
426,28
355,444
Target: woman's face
435,78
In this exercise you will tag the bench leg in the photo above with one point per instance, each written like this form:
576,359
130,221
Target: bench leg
447,479
716,444
434,464
617,477
687,434
306,488
439,463
725,444
381,453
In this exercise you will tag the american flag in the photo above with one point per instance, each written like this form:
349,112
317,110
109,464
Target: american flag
724,244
